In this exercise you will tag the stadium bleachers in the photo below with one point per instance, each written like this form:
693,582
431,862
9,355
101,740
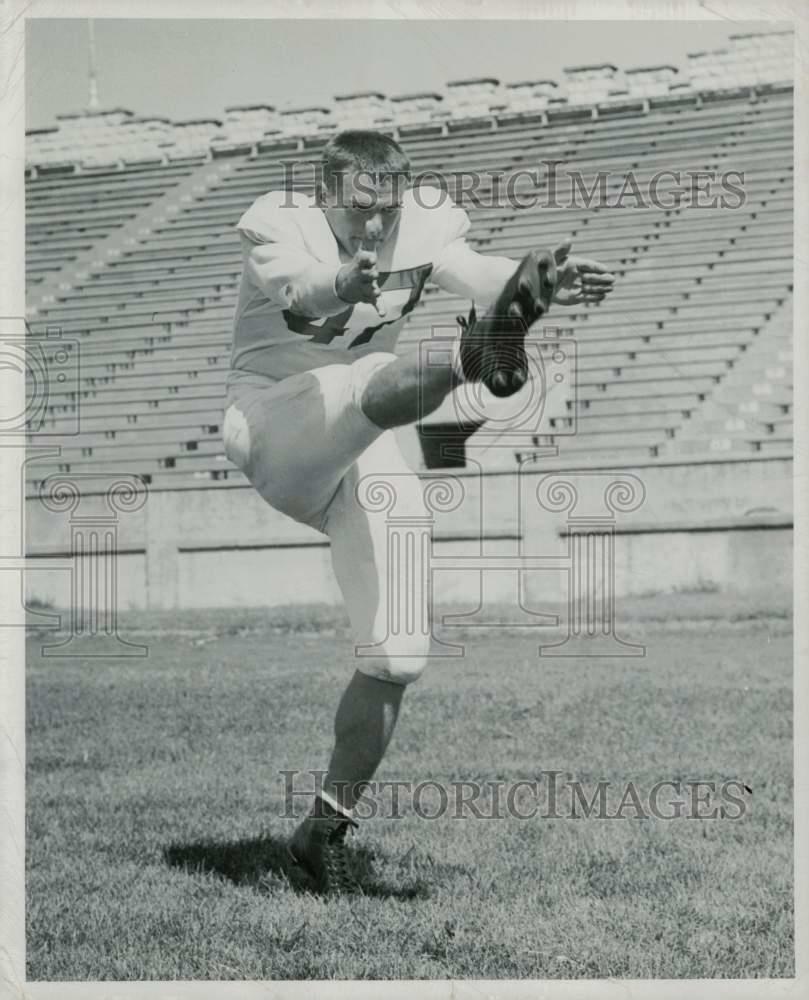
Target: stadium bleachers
66,214
689,356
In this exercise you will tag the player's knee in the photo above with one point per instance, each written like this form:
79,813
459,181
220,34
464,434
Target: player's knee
364,370
377,396
403,669
236,436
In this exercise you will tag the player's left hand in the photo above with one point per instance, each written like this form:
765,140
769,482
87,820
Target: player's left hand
579,279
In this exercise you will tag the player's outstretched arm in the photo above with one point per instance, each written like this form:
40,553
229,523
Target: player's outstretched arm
480,277
458,268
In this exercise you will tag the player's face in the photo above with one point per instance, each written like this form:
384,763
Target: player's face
358,198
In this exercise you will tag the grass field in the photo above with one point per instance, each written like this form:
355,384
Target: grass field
154,805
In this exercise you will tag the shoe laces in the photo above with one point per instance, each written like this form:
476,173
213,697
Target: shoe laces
335,858
465,323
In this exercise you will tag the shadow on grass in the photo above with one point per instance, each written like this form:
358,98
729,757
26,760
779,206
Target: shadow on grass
263,864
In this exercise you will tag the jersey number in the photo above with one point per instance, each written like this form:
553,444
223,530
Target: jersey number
336,326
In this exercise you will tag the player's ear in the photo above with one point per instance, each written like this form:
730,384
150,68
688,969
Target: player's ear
402,180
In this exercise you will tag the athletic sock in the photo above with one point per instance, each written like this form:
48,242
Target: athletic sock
332,804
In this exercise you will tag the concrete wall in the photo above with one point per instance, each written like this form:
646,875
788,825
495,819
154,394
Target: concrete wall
225,547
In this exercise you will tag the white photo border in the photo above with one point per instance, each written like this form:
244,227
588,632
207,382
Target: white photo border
14,14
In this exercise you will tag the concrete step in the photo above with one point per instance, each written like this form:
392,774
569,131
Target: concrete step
641,405
626,454
757,390
586,423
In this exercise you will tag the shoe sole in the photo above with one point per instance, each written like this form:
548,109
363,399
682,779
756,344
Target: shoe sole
498,339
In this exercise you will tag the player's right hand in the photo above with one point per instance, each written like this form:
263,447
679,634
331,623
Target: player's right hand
357,280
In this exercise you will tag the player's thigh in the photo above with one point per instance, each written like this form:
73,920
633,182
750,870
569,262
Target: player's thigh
295,439
376,491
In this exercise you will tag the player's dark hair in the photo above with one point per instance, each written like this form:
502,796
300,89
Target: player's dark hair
363,150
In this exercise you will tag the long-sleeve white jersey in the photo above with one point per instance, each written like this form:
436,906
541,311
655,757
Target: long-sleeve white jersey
289,318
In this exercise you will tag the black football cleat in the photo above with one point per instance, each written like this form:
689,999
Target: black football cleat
318,846
492,348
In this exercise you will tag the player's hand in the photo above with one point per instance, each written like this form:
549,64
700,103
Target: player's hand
579,279
357,280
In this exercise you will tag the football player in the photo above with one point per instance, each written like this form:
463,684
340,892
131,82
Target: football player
315,391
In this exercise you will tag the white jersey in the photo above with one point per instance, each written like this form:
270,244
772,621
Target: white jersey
289,318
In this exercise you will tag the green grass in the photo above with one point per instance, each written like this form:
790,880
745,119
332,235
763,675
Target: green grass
155,843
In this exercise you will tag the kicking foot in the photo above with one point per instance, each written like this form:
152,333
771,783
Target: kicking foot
318,846
492,349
